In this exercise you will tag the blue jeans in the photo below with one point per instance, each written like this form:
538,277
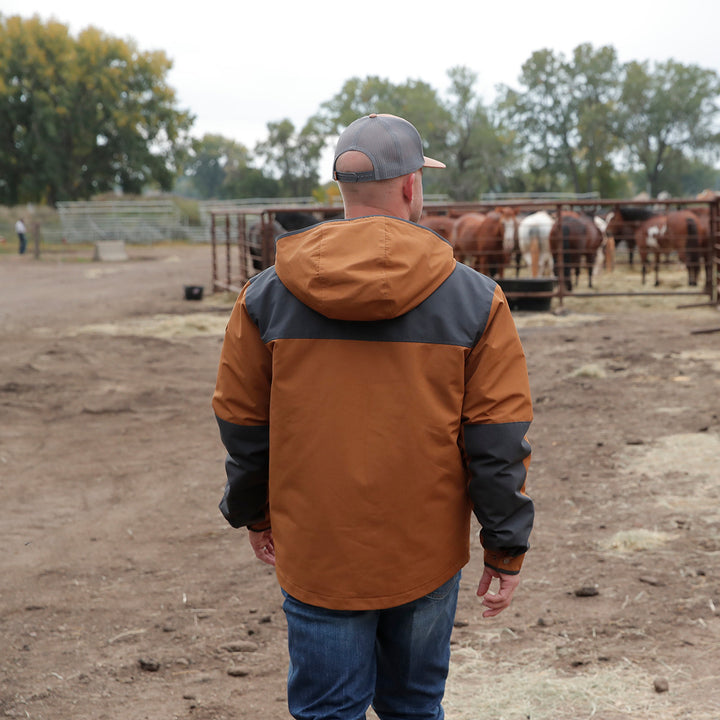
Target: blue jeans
343,661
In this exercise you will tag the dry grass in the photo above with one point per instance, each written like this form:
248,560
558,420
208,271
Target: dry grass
591,370
488,690
626,279
162,326
636,539
483,686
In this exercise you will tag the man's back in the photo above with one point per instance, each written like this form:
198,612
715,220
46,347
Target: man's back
369,326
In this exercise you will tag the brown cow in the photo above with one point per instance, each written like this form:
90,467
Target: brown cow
678,231
441,224
463,236
574,239
488,241
686,234
623,222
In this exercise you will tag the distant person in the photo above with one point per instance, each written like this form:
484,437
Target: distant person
371,393
21,231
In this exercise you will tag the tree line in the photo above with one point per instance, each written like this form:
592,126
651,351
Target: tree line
84,115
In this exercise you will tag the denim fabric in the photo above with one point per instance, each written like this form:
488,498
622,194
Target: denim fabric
396,660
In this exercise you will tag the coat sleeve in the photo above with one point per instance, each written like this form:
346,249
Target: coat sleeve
497,413
241,405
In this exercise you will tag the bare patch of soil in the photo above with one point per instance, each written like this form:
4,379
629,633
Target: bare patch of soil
125,594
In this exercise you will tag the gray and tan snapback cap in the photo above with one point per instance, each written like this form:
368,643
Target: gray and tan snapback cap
392,144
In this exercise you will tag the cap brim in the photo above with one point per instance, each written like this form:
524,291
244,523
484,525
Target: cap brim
429,162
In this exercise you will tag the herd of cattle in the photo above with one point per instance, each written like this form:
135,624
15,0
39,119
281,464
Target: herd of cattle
545,245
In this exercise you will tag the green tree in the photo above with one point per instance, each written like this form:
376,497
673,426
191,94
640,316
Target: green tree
480,151
211,161
292,157
682,176
666,111
250,182
218,167
696,176
596,92
85,115
413,99
563,117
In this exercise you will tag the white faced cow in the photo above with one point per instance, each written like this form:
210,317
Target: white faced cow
534,243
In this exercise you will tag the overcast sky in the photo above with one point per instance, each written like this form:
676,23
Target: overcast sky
239,65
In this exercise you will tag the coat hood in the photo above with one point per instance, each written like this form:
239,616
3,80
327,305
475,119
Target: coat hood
369,268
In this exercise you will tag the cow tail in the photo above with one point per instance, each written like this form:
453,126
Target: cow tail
692,245
693,236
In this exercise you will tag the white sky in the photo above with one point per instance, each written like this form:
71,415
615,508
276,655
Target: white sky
239,65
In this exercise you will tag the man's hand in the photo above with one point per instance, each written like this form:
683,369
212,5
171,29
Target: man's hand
263,545
497,602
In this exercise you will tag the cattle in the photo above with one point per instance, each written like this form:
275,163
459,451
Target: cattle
295,220
679,231
605,257
534,243
254,244
650,237
441,224
686,235
463,236
622,224
486,242
574,240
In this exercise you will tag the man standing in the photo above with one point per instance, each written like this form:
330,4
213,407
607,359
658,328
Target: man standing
371,394
21,231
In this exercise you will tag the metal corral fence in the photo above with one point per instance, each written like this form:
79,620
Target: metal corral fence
243,241
146,220
132,221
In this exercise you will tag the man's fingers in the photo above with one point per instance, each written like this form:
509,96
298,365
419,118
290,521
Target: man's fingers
266,554
497,602
485,581
263,546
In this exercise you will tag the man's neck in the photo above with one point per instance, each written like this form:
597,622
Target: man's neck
356,211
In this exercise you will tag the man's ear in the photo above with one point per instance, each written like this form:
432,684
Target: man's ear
408,187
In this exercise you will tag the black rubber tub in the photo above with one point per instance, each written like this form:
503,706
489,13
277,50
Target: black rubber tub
193,292
533,294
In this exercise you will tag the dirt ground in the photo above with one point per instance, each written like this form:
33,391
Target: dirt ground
124,594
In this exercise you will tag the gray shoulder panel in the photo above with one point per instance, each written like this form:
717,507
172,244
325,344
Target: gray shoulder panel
455,314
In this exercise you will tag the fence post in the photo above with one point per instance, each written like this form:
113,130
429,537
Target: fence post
228,243
36,239
213,245
714,241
